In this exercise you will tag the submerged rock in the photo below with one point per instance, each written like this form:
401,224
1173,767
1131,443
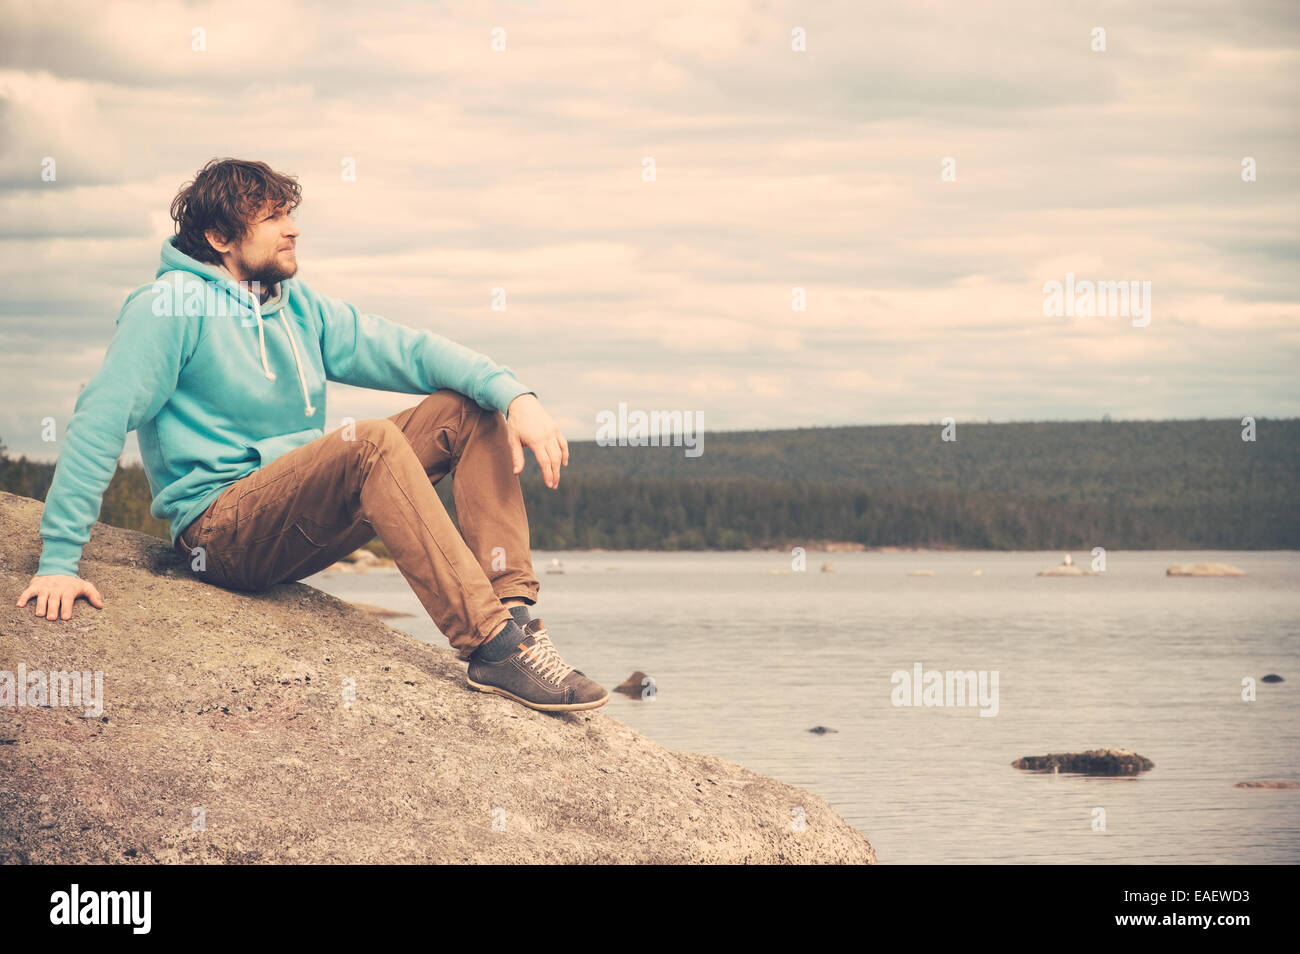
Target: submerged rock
1092,762
1204,569
821,730
289,726
1268,784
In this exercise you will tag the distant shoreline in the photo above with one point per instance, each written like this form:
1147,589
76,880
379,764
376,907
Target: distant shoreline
861,548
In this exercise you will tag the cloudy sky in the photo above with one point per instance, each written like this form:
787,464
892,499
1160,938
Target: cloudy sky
775,168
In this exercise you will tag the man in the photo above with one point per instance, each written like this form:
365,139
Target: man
221,364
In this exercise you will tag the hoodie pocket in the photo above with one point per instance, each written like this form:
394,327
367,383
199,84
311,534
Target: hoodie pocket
269,448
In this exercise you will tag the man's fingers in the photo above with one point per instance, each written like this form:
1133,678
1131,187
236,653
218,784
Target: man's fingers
544,462
516,453
549,468
59,601
557,456
564,447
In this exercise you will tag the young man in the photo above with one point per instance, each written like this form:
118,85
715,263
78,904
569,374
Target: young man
220,365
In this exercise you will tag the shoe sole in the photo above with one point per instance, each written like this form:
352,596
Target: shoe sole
541,707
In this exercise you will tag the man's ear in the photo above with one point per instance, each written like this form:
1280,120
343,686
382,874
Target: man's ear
218,243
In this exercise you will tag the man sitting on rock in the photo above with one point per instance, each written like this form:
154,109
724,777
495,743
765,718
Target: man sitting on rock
220,365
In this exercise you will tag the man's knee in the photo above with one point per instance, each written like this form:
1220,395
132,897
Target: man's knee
381,432
452,404
458,414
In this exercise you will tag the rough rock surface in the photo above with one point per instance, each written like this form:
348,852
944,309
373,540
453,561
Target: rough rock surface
1092,762
226,736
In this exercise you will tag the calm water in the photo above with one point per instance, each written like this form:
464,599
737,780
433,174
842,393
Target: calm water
746,660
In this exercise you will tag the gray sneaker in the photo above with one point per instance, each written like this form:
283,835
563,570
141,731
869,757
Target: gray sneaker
536,676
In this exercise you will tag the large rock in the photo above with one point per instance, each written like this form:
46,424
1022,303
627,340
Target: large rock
1092,762
226,737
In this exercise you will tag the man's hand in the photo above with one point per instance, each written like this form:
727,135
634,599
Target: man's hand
55,591
530,426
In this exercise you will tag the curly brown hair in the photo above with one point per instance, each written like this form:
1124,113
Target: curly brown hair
225,196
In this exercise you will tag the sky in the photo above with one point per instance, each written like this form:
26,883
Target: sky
920,171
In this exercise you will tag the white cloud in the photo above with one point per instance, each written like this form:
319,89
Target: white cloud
775,169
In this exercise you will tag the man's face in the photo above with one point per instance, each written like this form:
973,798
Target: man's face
268,253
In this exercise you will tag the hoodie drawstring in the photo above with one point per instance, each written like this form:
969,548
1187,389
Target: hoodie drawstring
302,378
308,410
261,341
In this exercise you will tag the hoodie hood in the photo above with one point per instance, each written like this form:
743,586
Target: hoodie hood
173,259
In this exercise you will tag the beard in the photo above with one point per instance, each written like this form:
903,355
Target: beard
267,273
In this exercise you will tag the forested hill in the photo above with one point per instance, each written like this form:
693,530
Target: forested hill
1063,485
1152,462
1134,484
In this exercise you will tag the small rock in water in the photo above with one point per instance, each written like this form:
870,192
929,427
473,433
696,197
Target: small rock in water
1092,762
635,685
1204,569
821,730
1067,569
1272,677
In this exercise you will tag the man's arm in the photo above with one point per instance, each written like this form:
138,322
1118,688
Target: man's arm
138,376
372,352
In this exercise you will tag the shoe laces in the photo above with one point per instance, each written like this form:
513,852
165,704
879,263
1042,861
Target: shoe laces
545,658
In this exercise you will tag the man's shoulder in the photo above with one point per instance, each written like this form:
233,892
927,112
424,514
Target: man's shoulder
310,299
171,284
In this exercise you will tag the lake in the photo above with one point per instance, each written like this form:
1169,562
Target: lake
747,655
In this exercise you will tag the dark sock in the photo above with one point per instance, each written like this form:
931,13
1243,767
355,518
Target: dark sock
520,613
503,644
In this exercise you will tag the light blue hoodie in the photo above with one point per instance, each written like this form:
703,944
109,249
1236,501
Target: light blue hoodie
219,384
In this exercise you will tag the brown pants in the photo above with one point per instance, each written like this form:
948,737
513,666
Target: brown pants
317,503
